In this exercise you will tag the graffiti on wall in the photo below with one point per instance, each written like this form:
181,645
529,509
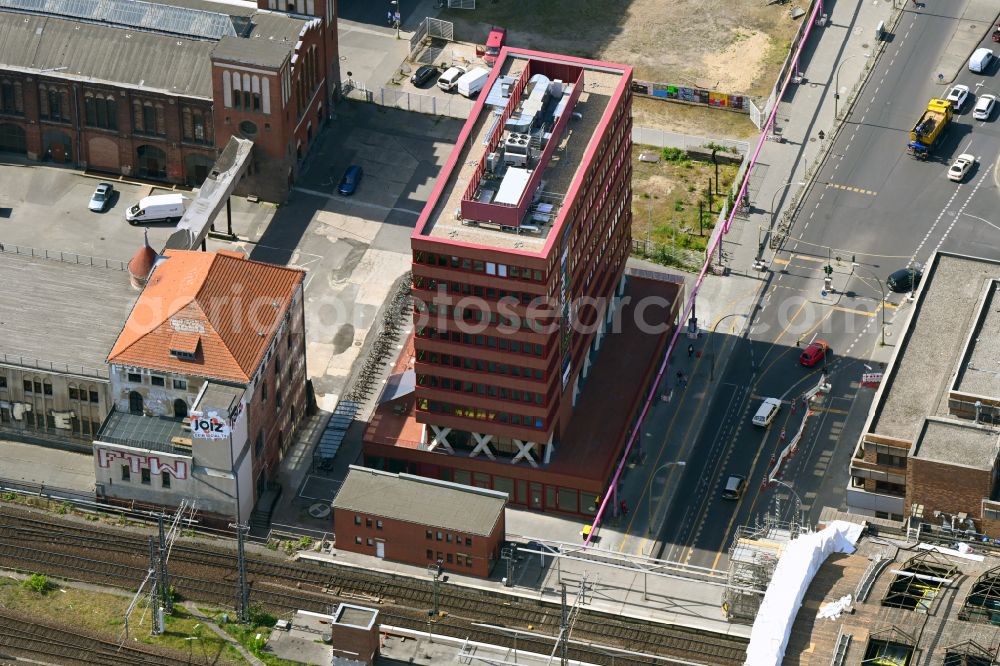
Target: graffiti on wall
692,95
136,462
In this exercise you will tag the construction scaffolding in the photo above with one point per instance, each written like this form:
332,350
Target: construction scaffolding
753,556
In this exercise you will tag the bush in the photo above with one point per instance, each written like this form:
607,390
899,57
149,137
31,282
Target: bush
38,582
678,205
260,617
670,154
305,542
9,497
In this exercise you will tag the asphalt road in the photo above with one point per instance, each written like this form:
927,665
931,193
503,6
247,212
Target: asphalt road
897,209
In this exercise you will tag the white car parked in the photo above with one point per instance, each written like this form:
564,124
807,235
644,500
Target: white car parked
957,96
960,167
984,107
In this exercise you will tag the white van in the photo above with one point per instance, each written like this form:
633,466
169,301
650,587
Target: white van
980,60
472,82
157,208
767,411
450,78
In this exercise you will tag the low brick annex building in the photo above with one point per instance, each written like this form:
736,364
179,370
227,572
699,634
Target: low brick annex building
931,446
420,521
155,89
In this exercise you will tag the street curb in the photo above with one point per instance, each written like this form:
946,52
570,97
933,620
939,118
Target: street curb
832,137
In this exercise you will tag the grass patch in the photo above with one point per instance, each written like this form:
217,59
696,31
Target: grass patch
104,614
261,624
665,204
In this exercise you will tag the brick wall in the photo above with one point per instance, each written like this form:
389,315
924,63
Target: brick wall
409,543
947,488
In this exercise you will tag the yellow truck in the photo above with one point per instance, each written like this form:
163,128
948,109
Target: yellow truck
930,128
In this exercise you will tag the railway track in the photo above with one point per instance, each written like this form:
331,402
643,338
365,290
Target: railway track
26,637
207,572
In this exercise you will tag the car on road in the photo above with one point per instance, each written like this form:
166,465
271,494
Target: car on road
102,197
735,485
766,412
984,107
905,279
349,183
424,74
814,353
957,96
960,167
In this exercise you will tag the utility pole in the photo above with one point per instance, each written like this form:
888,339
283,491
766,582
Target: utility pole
437,582
154,597
167,600
563,629
241,563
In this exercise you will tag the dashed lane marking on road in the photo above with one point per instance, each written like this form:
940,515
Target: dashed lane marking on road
841,308
851,188
961,211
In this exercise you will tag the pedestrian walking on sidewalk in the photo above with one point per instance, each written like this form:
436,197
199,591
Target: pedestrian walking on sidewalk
690,351
624,507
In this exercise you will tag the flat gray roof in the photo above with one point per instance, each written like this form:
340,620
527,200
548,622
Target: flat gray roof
923,368
422,501
63,313
958,443
979,371
144,432
600,83
219,398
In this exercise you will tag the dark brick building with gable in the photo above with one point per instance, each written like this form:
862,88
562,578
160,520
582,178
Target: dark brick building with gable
154,90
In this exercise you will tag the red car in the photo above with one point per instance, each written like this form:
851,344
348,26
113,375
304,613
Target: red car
814,353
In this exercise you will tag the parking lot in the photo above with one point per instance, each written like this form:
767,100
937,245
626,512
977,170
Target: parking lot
354,248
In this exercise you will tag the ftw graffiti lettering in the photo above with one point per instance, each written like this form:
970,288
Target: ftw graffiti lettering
136,462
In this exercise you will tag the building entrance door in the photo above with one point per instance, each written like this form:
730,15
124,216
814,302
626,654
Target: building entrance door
536,496
380,549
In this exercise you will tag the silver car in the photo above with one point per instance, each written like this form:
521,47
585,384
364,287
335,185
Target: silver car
102,197
984,107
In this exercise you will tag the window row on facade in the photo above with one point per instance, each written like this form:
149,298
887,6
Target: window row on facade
44,388
494,392
157,380
465,289
145,476
480,414
478,266
477,316
479,365
486,341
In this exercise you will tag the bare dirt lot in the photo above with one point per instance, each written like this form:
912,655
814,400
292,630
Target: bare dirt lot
728,45
734,46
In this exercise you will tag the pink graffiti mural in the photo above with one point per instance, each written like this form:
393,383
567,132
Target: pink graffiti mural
175,468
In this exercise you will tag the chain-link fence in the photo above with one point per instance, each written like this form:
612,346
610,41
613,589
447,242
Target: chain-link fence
453,106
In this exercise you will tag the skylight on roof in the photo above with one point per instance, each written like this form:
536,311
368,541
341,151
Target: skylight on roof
150,16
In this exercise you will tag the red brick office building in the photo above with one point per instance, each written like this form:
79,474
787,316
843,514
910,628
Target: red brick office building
413,519
518,282
155,90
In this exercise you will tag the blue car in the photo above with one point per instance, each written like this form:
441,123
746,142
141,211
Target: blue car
349,183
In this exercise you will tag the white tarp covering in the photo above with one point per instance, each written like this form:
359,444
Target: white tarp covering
796,568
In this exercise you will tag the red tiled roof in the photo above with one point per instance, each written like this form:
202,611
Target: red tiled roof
233,306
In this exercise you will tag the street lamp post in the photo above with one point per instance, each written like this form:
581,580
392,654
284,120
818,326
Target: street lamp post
774,213
711,342
676,463
836,84
881,290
